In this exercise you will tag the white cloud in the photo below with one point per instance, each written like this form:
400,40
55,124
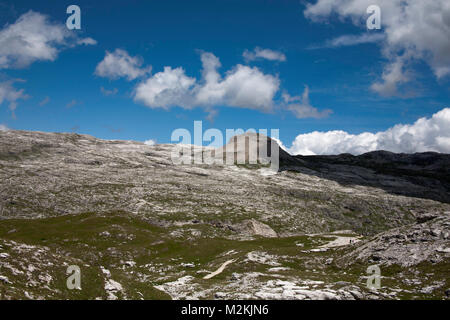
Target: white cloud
11,95
212,113
166,89
259,53
3,127
351,40
394,74
120,64
302,108
87,41
333,142
242,87
33,37
426,134
415,30
280,143
44,101
150,142
107,92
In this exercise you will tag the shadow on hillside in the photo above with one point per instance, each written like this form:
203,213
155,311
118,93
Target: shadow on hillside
422,175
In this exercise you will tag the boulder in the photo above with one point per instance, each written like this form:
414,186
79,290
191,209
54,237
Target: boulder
257,228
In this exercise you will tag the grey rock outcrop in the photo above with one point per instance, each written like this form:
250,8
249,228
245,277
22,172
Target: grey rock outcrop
257,228
406,246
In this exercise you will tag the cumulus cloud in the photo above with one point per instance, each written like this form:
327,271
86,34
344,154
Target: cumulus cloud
3,127
259,53
32,38
150,142
119,64
10,94
302,108
165,89
241,87
426,134
414,31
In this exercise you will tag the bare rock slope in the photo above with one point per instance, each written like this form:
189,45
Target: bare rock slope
140,226
428,240
51,174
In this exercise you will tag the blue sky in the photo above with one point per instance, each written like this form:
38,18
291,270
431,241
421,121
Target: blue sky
64,93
